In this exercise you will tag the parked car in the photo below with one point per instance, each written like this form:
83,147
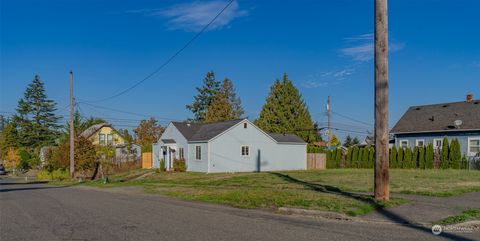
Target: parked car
2,170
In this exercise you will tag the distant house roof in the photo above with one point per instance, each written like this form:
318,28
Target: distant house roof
286,138
203,131
440,118
93,129
207,131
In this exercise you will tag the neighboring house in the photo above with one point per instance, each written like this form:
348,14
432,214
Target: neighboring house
230,146
104,134
422,125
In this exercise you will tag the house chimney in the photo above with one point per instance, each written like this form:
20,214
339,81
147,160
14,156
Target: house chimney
469,97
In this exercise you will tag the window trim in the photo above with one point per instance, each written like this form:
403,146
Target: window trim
441,143
247,150
181,153
469,153
198,152
113,141
400,143
419,140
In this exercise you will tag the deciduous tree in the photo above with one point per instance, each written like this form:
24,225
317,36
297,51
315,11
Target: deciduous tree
148,131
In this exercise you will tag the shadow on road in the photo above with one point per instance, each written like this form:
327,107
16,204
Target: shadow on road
367,199
26,186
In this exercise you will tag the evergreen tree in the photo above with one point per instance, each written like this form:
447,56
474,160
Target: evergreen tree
355,156
365,157
35,118
349,156
219,109
360,156
334,141
429,156
400,157
204,98
416,152
338,158
421,157
455,155
355,141
286,112
348,141
233,100
393,157
371,157
407,158
444,162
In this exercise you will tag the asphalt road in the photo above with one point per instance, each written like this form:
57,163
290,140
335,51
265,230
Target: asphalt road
43,212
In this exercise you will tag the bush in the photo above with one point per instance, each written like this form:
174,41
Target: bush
56,175
162,165
179,165
407,158
421,157
455,156
444,162
429,157
393,157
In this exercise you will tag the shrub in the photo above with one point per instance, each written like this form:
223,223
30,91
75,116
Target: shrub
429,156
415,155
393,157
444,162
371,157
455,155
400,157
162,165
338,158
55,175
421,157
349,157
179,165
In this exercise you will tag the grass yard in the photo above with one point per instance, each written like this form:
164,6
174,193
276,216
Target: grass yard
329,190
467,215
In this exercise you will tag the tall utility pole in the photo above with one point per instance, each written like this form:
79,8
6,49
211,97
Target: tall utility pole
329,126
72,131
382,188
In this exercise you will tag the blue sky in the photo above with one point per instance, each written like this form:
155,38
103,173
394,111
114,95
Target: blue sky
324,46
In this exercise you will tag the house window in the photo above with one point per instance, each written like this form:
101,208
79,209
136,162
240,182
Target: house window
198,152
437,143
181,154
404,143
420,142
110,139
101,139
245,150
473,146
245,125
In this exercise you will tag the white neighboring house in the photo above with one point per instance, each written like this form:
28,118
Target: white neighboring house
229,146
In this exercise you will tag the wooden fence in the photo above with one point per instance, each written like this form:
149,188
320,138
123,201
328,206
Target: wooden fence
316,161
147,160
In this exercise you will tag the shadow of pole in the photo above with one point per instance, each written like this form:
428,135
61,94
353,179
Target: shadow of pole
369,200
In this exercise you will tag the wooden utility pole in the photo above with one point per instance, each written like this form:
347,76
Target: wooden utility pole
329,125
72,130
382,188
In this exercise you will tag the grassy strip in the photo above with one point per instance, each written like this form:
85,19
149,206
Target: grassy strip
467,215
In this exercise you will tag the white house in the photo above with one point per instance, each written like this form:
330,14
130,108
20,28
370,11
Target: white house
230,146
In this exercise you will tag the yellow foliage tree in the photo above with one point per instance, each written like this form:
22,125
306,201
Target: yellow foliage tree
12,159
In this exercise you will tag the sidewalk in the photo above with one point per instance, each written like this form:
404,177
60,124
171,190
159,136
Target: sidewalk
425,209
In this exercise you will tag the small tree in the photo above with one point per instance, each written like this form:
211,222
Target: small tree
338,158
415,155
355,156
371,157
429,156
365,157
393,157
455,155
400,157
349,156
421,157
444,162
407,158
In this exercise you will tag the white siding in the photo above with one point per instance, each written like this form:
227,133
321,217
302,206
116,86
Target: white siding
194,165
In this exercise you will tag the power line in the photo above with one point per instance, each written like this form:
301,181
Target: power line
168,60
352,119
125,112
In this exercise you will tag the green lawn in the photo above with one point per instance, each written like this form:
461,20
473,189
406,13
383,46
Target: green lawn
329,190
467,215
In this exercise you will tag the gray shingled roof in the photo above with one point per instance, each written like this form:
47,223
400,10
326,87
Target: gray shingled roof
203,131
286,138
92,129
440,117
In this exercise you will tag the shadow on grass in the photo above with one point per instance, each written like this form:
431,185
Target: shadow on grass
380,208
